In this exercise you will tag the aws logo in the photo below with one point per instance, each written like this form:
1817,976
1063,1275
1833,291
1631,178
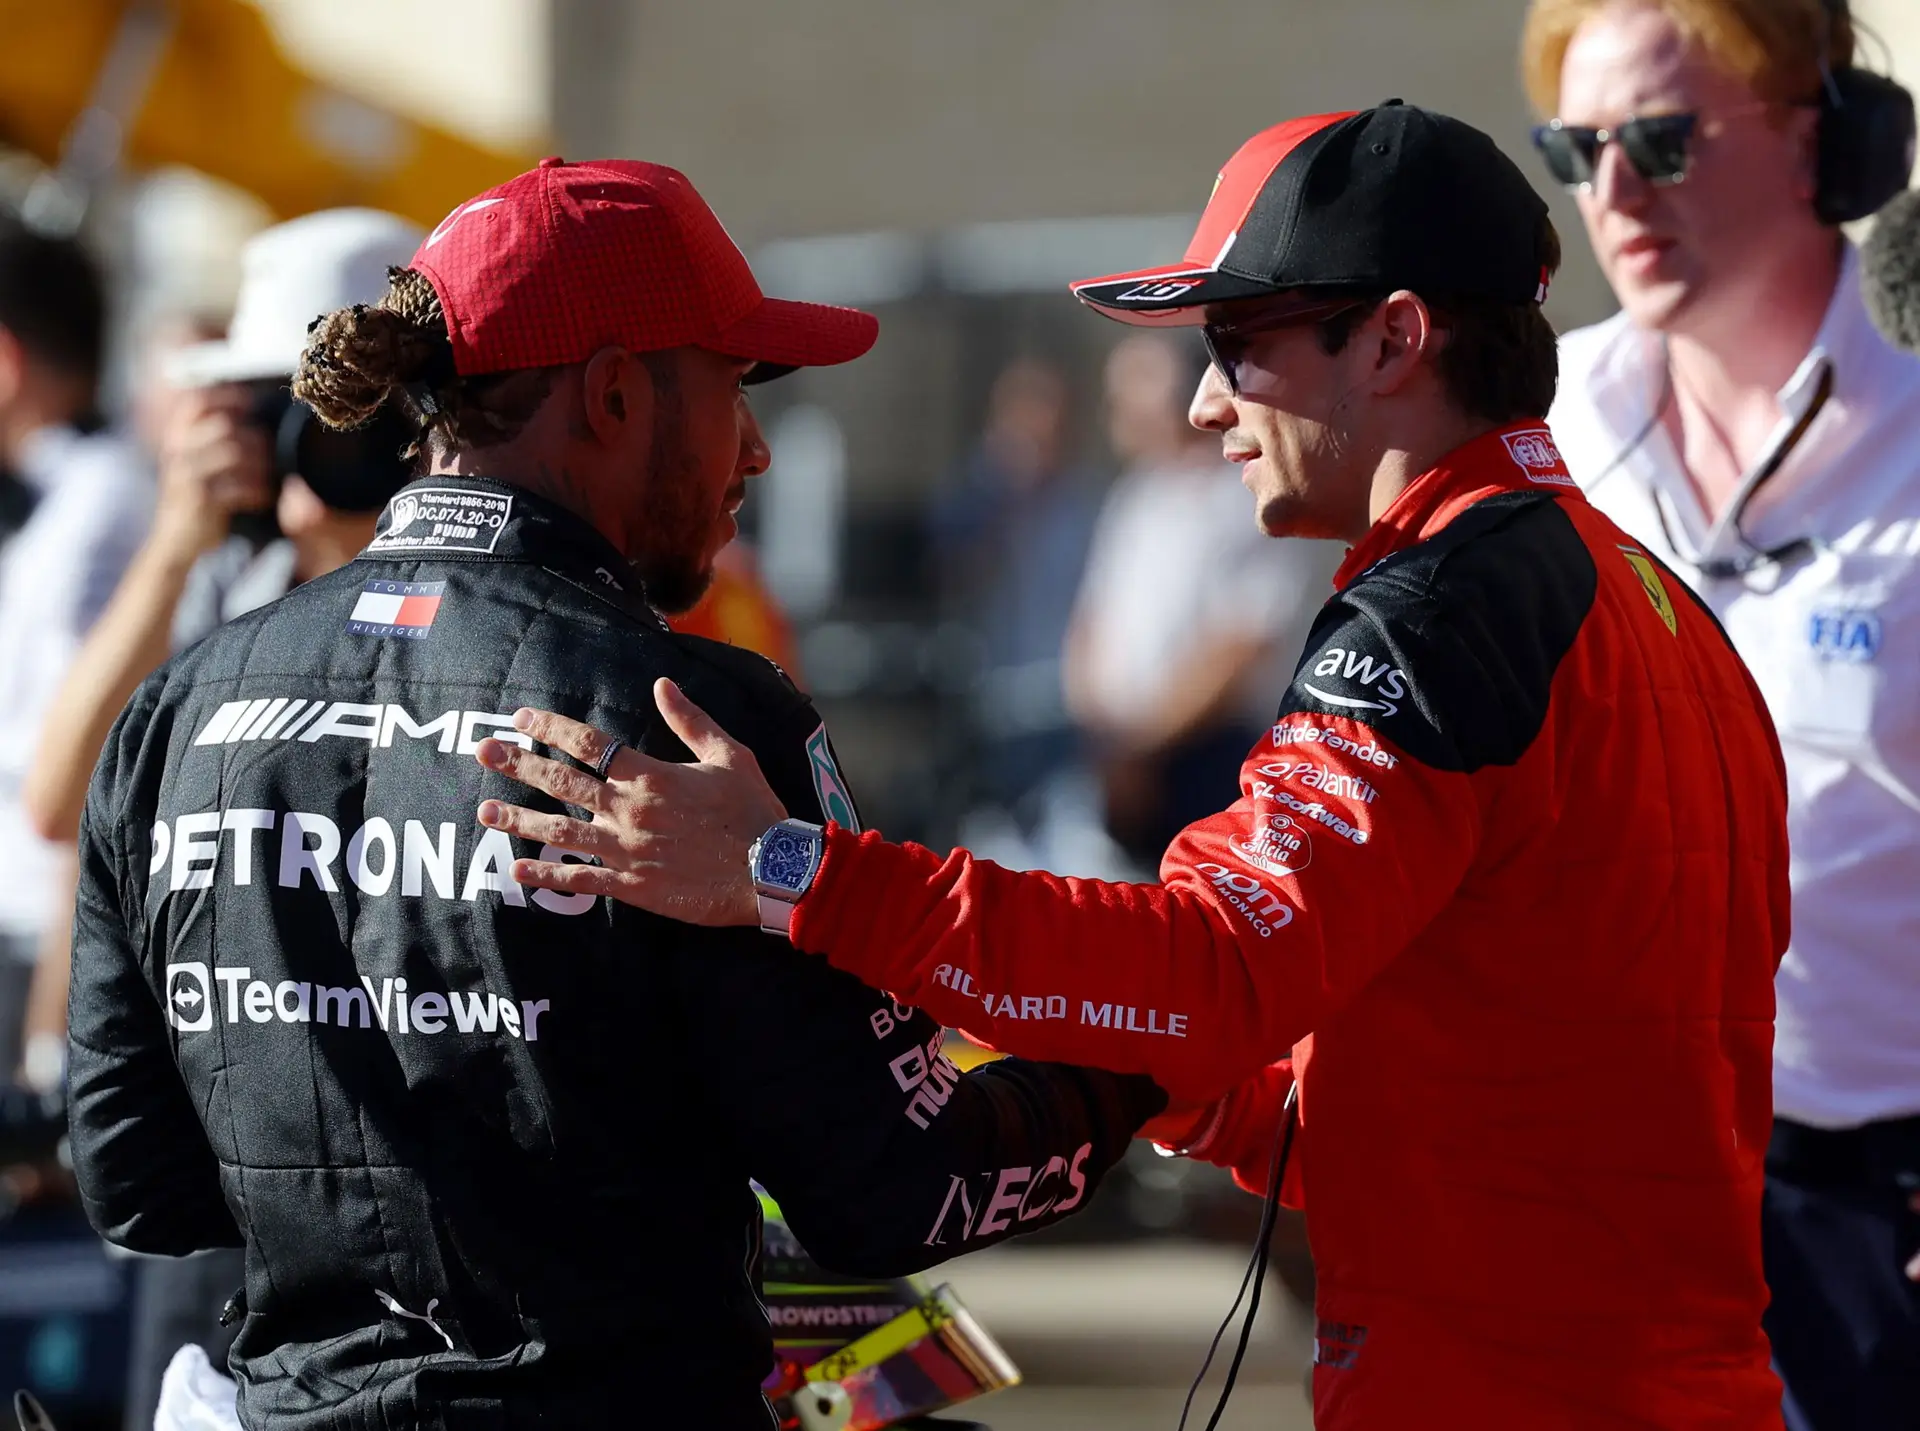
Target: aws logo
1381,687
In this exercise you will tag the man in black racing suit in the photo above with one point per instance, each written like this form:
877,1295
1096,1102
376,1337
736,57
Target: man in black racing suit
490,1168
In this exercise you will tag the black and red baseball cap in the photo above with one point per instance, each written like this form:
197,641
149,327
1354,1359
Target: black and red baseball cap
1384,198
566,259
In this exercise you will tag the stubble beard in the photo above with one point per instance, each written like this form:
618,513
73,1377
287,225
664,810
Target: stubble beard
675,567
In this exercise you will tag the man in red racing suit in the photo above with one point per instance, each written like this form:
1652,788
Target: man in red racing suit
1518,923
1504,889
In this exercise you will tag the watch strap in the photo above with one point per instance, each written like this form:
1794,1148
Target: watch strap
776,916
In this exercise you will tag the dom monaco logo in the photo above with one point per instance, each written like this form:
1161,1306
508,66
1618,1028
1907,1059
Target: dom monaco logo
189,998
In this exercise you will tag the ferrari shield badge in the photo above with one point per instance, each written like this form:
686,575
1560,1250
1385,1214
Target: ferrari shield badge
1649,575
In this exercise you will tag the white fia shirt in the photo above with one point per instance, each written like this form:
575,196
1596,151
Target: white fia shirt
1832,635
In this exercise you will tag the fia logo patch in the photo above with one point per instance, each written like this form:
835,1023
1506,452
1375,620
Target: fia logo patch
1650,583
1844,633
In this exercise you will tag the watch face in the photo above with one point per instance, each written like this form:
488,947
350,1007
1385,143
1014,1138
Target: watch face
785,858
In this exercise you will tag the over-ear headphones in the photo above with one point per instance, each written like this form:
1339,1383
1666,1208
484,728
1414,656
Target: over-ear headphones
1866,140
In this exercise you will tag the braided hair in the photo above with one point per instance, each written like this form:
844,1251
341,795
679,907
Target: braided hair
359,358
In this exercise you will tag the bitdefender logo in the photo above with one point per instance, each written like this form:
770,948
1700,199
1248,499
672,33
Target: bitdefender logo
189,998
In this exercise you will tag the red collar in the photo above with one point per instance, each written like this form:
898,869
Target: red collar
1521,454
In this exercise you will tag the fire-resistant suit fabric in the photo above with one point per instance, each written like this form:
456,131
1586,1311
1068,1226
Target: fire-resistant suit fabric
489,1149
1505,888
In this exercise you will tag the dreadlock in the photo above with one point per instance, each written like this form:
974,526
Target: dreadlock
357,358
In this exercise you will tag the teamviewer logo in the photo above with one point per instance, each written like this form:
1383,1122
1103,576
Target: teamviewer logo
189,998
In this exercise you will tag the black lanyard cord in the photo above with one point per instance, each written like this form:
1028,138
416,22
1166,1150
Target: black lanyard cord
1721,568
1256,1274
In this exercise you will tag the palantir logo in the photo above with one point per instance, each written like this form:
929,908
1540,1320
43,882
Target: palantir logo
189,998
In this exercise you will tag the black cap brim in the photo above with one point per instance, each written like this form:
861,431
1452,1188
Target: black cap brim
1174,295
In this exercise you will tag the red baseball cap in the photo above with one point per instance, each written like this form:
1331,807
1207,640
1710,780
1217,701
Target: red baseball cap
567,259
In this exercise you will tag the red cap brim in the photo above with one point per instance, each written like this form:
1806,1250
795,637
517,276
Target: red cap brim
1173,295
784,334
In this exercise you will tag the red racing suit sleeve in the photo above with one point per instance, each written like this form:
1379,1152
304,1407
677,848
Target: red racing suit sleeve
1242,1133
1358,817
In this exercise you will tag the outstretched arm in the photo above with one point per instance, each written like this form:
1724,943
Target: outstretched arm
884,1157
1357,820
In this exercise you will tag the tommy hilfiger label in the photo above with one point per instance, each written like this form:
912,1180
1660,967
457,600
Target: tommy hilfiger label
396,608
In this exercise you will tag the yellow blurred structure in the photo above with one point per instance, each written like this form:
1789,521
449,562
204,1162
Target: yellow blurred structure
739,610
203,83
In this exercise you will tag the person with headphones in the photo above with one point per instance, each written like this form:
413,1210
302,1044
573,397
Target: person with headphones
1743,420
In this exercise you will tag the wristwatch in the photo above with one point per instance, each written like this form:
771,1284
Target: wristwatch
784,861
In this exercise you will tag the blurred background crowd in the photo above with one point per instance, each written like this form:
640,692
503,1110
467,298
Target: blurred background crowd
1026,594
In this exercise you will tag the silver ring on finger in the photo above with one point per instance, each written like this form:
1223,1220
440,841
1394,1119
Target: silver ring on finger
605,762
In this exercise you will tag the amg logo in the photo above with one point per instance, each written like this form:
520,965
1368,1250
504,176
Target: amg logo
295,718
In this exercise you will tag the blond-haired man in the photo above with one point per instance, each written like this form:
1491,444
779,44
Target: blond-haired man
1744,421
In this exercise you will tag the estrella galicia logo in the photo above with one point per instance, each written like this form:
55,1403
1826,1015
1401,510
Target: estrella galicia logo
836,803
1848,633
189,998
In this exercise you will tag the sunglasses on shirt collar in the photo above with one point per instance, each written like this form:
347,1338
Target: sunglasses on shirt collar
1229,338
1658,146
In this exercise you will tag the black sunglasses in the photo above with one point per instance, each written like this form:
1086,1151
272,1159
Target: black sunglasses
1228,339
1655,144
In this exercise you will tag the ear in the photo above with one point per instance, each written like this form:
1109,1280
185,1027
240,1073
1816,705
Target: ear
1403,337
617,396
